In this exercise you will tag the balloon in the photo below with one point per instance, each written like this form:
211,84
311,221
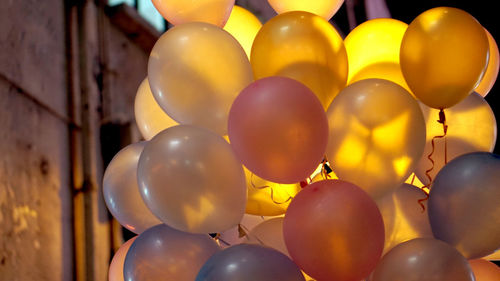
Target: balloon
373,51
485,270
278,129
163,253
190,178
494,257
269,233
304,47
377,135
121,192
471,127
239,233
243,25
149,116
247,262
334,231
423,259
180,11
404,218
323,8
196,70
437,47
491,74
267,198
115,272
463,204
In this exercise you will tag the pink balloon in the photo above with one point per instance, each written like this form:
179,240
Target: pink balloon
116,267
278,129
334,231
485,270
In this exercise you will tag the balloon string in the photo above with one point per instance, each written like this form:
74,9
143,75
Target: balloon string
219,240
413,179
272,191
442,120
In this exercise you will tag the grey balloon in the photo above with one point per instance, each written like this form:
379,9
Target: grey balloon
423,259
163,253
249,262
464,204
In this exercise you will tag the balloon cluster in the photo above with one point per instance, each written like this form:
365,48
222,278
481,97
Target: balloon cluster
289,118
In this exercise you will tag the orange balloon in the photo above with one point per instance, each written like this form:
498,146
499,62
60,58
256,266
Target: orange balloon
304,47
181,11
485,270
115,272
491,74
444,54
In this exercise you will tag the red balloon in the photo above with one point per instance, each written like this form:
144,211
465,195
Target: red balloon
334,231
278,129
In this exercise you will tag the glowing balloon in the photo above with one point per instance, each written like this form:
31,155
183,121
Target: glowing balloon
190,178
121,192
485,270
463,204
323,8
267,198
373,51
437,47
334,231
196,70
269,233
404,217
491,74
304,47
471,127
243,25
163,253
377,135
423,259
149,116
180,11
494,257
278,129
248,262
115,272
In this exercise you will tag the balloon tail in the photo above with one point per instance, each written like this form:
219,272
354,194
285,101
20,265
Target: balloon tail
442,120
326,170
220,240
272,191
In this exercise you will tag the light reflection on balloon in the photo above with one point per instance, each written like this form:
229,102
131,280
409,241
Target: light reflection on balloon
491,74
377,135
149,116
471,127
243,25
373,51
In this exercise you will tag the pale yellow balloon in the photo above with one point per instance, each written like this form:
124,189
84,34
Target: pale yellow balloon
322,8
444,54
181,11
244,26
195,71
269,233
491,74
373,51
304,47
149,116
267,198
471,127
404,217
377,135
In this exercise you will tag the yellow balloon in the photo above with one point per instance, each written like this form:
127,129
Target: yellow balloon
373,51
149,116
195,71
181,11
491,74
267,198
444,53
377,135
471,127
304,47
323,8
244,26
